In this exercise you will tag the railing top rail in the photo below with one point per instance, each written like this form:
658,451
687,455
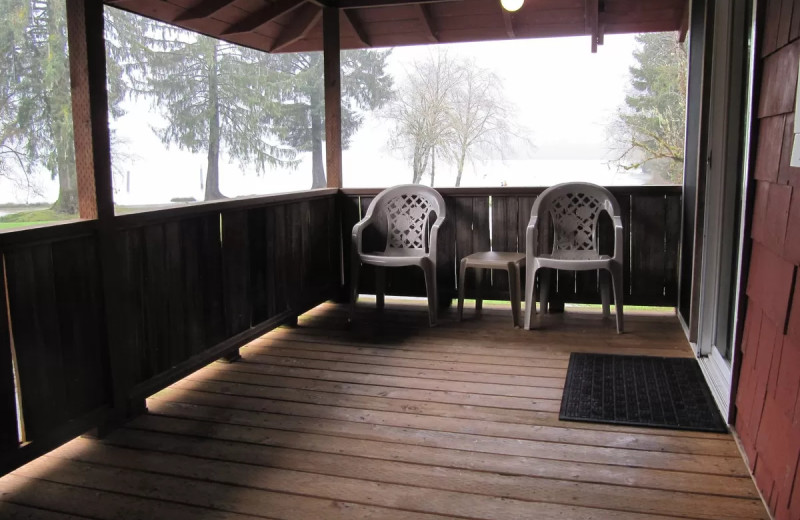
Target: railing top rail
166,214
669,189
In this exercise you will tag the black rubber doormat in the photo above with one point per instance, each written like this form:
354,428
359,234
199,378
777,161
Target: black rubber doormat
639,391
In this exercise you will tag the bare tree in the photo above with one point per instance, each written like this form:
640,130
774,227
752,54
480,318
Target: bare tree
450,109
479,116
421,111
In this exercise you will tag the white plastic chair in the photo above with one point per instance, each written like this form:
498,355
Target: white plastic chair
404,214
574,209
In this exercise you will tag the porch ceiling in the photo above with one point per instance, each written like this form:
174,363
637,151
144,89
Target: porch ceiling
296,25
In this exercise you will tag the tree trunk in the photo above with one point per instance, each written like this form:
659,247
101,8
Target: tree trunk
318,179
67,201
433,166
212,177
461,160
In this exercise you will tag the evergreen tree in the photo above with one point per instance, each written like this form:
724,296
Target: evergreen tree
217,97
35,99
301,124
650,127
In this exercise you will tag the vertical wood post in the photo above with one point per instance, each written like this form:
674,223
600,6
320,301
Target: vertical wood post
333,96
87,63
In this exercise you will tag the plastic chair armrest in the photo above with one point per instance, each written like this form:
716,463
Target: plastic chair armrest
531,237
618,238
358,230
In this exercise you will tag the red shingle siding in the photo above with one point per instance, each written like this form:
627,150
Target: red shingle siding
768,396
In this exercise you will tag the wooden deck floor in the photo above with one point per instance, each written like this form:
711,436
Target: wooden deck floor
393,420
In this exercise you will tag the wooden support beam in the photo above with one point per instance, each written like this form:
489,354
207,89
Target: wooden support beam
508,21
202,10
358,27
431,31
333,96
684,28
304,20
592,19
264,16
364,4
87,63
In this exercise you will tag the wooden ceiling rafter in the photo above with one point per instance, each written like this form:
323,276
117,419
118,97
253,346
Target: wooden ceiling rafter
592,20
305,19
355,22
425,16
684,29
508,22
270,24
202,10
368,4
260,18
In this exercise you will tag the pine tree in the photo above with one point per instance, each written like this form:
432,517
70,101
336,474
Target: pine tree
650,127
35,100
365,86
217,98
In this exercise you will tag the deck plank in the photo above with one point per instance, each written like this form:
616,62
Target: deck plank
389,418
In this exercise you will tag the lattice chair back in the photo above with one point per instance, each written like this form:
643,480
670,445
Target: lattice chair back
407,211
574,210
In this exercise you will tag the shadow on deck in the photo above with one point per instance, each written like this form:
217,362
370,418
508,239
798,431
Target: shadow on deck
392,419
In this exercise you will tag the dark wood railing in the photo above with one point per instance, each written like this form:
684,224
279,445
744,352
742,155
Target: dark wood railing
95,316
483,219
104,315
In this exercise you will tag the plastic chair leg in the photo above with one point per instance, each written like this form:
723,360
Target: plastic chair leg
605,292
530,299
462,271
478,288
544,289
616,277
430,288
380,286
514,291
355,267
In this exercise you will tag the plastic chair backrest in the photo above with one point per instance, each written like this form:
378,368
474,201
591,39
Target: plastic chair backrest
407,209
574,209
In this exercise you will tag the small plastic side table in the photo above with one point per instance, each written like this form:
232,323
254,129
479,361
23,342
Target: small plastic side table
512,262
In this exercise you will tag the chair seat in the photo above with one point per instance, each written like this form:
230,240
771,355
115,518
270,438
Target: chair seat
394,257
560,261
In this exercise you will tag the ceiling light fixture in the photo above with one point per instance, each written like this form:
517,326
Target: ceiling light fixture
511,5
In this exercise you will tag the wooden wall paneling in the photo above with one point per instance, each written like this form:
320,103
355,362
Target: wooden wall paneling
128,338
37,338
282,258
624,200
647,233
504,237
349,214
446,254
295,259
463,232
8,403
178,348
671,249
257,239
524,205
373,238
211,272
334,244
192,282
236,272
270,268
79,305
155,298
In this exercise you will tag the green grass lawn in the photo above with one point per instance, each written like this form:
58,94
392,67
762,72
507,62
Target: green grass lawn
33,218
